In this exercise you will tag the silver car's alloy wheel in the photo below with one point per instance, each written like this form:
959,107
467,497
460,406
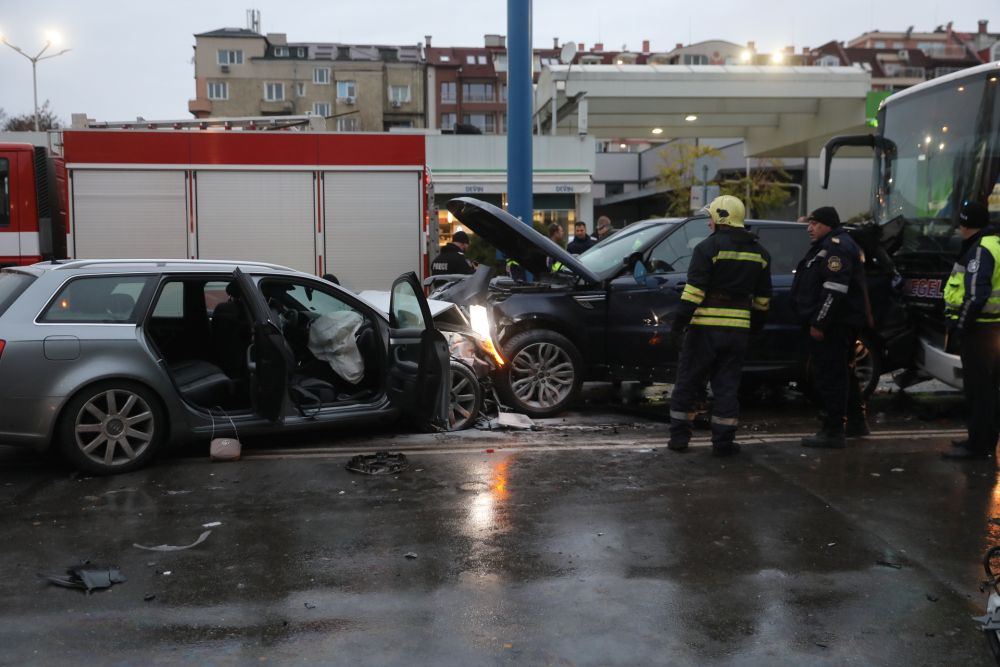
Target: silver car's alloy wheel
464,406
542,375
114,427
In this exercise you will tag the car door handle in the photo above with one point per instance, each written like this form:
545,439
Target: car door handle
679,287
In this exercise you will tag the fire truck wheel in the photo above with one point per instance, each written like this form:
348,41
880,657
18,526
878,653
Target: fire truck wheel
112,427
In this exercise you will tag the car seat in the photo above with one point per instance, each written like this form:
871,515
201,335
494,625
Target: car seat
231,334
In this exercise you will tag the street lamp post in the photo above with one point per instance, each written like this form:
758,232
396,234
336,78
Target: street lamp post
49,40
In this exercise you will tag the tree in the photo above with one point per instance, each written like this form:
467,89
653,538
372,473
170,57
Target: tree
47,120
678,176
766,187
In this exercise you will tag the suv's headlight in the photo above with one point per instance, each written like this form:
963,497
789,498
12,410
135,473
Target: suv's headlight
480,321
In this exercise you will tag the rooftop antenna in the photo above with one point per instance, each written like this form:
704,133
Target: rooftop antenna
253,20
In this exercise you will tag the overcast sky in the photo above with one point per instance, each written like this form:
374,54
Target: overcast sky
133,58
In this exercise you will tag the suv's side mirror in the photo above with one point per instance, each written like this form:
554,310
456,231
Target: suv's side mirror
637,266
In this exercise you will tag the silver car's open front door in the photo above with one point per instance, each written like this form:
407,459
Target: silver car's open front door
419,365
270,358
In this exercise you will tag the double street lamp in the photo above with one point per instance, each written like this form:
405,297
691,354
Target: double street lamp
51,39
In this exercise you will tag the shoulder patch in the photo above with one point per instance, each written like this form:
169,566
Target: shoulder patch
835,240
973,266
834,263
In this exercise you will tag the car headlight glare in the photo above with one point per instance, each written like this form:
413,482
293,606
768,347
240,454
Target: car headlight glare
481,325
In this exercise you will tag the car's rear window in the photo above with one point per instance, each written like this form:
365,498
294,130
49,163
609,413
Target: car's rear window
12,283
103,299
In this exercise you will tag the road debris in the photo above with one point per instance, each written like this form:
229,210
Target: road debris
87,577
515,421
885,563
379,463
213,524
170,547
410,555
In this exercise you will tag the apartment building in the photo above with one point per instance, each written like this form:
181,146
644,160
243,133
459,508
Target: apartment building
358,88
898,60
468,85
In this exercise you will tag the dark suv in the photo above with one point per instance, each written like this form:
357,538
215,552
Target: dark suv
605,315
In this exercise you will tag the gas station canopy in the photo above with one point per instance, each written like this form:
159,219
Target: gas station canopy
778,111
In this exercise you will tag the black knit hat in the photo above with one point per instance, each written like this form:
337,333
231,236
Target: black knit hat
826,215
974,215
460,237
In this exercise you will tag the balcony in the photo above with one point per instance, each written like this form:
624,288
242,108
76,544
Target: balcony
200,108
905,72
942,71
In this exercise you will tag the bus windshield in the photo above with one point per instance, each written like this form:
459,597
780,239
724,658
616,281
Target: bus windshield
939,148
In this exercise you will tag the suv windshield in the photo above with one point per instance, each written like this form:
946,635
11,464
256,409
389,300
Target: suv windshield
608,255
12,283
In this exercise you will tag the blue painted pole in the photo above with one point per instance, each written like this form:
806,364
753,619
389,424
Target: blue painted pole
519,103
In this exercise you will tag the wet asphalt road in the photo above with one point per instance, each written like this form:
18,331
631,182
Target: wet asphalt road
583,543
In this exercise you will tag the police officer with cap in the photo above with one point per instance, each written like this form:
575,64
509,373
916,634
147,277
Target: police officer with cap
829,295
972,306
727,296
452,259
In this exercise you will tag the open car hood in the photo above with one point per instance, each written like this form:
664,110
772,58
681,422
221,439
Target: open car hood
514,238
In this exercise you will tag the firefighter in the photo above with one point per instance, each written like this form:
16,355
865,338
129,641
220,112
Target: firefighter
830,297
451,259
726,297
972,306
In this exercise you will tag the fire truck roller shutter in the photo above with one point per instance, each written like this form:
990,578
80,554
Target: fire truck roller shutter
372,226
128,214
267,216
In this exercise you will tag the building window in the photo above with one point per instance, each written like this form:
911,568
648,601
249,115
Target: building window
321,108
281,52
695,59
348,124
230,57
445,59
879,44
399,94
389,124
321,75
274,91
828,61
503,92
448,121
478,92
300,52
218,90
470,59
486,122
300,89
481,60
503,123
346,90
448,92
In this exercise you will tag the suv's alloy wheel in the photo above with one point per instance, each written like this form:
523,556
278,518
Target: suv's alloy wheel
543,375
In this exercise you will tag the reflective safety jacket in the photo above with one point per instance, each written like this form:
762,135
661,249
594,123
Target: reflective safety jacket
972,294
829,286
729,276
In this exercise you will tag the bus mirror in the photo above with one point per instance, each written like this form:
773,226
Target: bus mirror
831,148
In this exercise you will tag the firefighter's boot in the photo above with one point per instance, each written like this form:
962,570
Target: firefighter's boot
831,436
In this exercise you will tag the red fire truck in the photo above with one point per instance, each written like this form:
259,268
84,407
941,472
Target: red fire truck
354,205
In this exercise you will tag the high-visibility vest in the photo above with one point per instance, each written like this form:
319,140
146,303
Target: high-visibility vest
954,290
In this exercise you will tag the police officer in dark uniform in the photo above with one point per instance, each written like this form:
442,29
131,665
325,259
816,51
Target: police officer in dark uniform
830,297
972,306
727,296
452,259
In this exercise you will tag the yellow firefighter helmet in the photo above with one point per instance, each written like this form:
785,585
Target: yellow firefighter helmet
727,210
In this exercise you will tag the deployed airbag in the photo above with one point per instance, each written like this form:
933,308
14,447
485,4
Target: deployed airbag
332,338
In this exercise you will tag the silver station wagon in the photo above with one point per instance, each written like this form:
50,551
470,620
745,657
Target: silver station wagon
112,360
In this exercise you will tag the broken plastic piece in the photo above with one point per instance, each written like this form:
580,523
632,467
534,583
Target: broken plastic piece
379,463
87,577
410,555
515,420
170,547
